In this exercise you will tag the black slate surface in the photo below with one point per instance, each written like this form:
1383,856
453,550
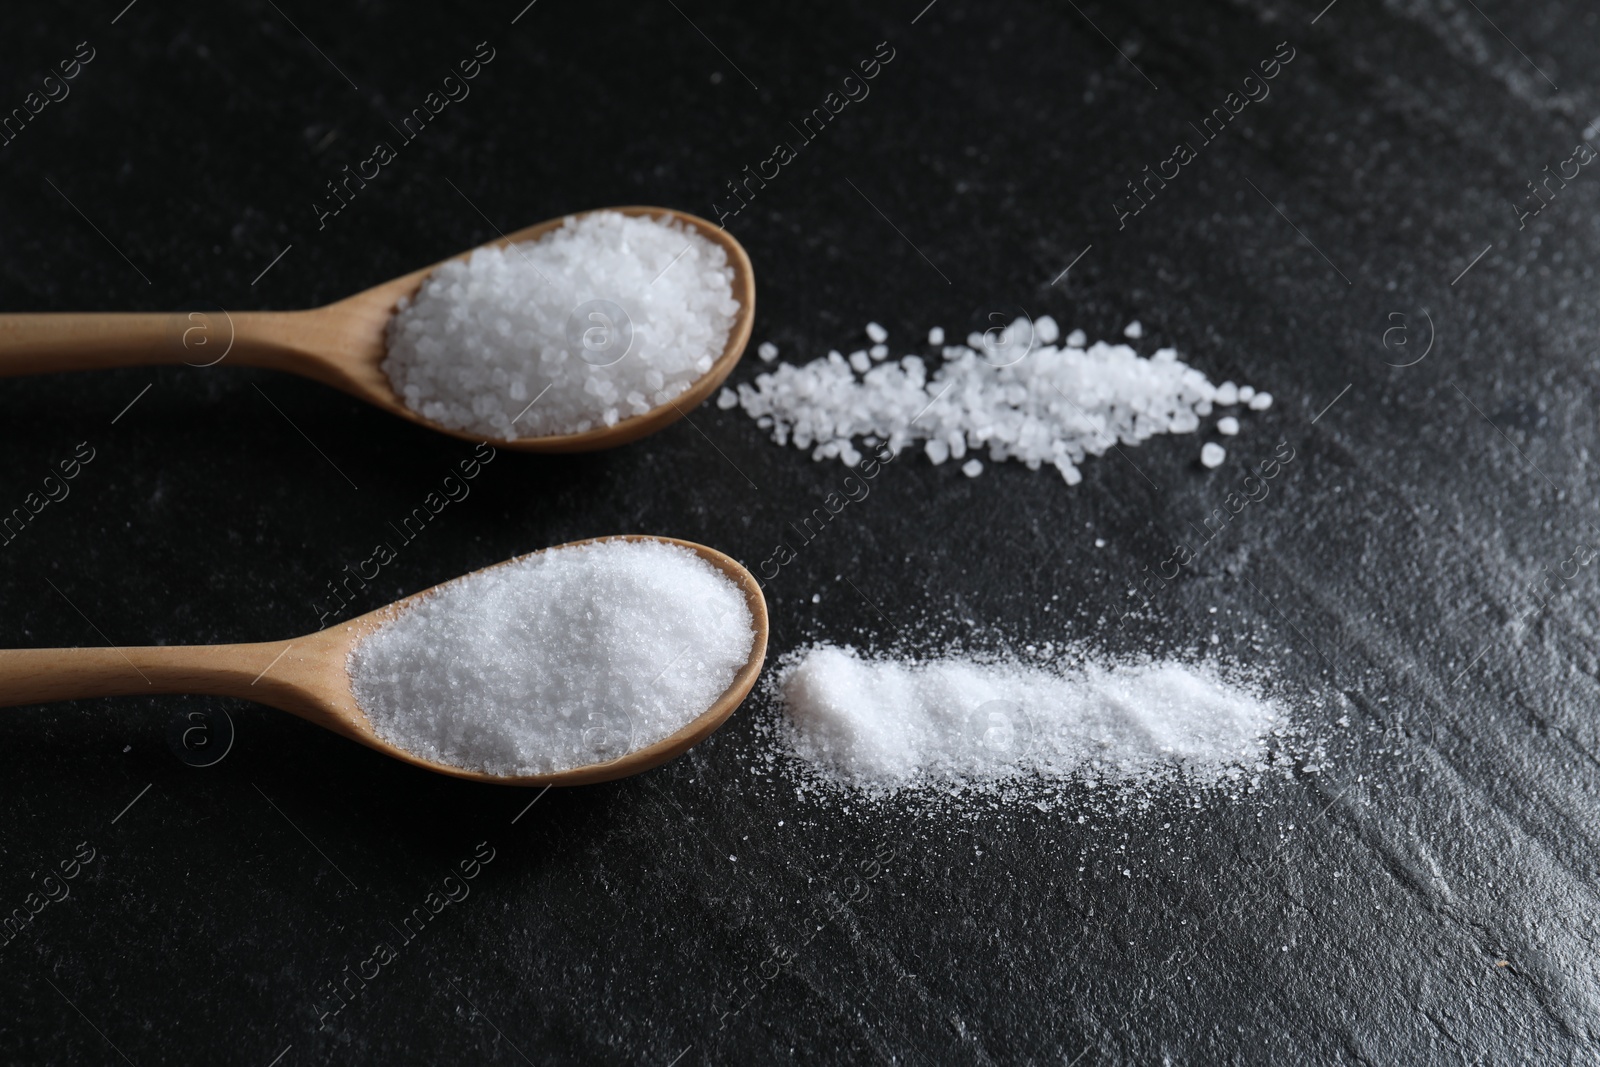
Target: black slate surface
1426,897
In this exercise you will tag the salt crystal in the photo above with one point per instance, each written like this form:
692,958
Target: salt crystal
565,658
767,351
1212,454
877,333
1227,394
1134,330
1046,329
1227,425
878,352
936,335
1246,393
727,399
1261,402
963,724
972,468
1077,339
604,305
1033,401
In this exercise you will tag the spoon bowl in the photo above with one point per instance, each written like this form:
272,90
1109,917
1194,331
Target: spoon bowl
308,676
343,344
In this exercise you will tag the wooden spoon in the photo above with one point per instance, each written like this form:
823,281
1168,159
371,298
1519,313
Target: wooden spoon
307,677
340,344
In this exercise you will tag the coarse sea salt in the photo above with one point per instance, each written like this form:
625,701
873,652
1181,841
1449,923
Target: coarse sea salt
565,658
599,320
956,725
1013,393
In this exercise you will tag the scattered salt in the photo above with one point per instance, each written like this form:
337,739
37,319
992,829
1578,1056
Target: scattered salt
1261,402
962,724
1246,393
878,352
936,335
767,351
877,333
597,321
1212,454
1134,330
1010,392
1227,426
565,658
972,468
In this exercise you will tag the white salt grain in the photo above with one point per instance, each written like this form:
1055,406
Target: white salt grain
1010,393
1212,454
1261,402
1246,393
959,724
1227,426
972,468
877,333
767,351
565,658
1227,395
936,335
1134,330
599,320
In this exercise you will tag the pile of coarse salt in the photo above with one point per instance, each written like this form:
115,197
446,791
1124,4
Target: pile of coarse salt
597,321
960,725
1012,392
561,659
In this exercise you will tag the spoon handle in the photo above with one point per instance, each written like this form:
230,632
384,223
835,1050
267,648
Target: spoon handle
40,675
50,342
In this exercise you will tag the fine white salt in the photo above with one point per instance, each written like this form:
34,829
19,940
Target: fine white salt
936,335
1011,392
877,333
1212,454
767,351
1227,426
565,658
959,724
600,320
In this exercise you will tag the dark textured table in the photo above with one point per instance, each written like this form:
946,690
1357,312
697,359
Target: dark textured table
1356,234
